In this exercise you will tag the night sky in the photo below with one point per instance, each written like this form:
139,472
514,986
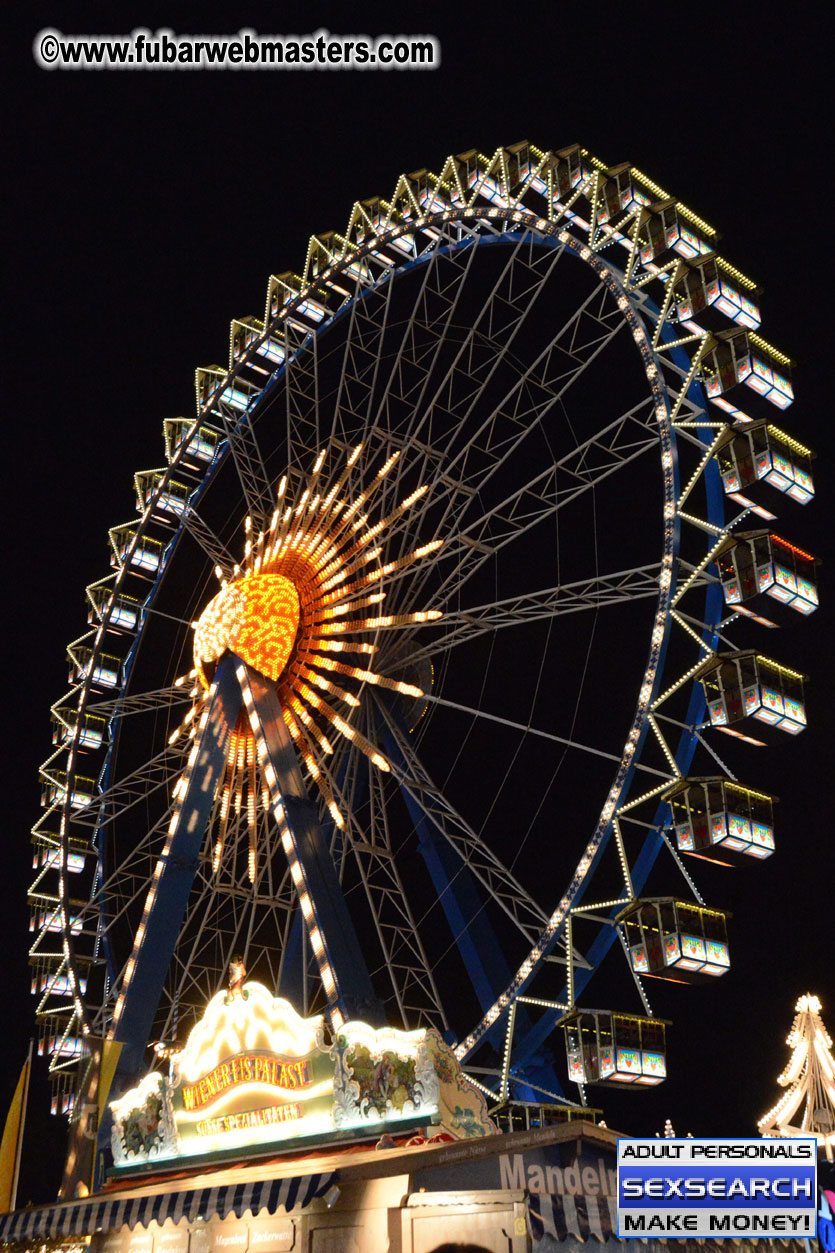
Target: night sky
148,209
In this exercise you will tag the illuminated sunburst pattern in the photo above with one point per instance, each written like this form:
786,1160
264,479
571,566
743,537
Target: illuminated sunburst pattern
297,611
257,618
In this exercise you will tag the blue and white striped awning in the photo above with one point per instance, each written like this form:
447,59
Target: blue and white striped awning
79,1218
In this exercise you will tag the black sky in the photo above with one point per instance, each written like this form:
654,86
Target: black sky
145,210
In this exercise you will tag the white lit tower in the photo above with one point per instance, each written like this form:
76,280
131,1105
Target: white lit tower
807,1107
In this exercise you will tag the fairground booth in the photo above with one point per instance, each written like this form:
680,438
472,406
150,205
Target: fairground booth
260,1139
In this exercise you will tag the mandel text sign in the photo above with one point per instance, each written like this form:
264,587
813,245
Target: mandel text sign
717,1188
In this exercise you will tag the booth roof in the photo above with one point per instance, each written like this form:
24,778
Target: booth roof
293,1182
263,1185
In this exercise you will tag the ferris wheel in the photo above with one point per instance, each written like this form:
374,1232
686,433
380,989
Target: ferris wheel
395,687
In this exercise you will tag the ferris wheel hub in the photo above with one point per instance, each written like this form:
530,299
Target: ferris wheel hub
256,617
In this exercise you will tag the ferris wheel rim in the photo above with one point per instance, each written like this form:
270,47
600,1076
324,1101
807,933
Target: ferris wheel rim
528,220
524,218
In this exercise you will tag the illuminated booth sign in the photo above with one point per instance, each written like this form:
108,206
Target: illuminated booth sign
254,1072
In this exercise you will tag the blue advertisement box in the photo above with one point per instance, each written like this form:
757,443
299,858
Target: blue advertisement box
709,1189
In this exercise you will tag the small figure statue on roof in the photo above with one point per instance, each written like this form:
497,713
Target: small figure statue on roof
237,974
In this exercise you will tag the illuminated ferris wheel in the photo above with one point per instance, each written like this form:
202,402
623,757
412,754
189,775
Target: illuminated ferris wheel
396,685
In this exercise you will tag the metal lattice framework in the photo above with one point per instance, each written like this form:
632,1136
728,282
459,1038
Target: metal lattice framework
448,350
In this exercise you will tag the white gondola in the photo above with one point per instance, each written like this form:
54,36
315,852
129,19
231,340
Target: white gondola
722,821
761,567
761,465
614,1050
746,690
676,940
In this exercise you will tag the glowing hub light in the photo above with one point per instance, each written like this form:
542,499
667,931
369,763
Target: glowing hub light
311,575
256,617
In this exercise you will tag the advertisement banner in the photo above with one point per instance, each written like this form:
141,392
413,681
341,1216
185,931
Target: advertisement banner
705,1189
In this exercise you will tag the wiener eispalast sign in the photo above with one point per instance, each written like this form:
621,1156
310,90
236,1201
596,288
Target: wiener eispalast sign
254,1072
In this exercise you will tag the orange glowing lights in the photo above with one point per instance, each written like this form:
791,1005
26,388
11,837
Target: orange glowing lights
308,577
256,617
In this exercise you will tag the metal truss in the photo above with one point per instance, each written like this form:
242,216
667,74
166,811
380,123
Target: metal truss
463,625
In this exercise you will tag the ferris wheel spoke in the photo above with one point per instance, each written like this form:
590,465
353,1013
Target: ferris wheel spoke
538,502
200,909
630,429
504,312
531,730
533,393
609,448
359,412
438,298
205,537
360,363
403,955
133,788
537,387
233,916
114,897
302,356
256,484
213,922
357,359
456,546
461,626
141,702
502,887
419,993
512,420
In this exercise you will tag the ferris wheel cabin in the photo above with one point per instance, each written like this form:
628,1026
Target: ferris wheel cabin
121,611
86,730
103,669
759,565
201,446
143,553
618,189
46,852
667,232
722,821
54,789
709,294
172,502
615,1050
557,176
676,940
740,358
761,465
746,688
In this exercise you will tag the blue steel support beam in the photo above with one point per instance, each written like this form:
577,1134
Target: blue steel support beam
176,868
291,984
462,903
298,816
457,892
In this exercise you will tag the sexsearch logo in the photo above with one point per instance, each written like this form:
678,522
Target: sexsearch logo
714,1188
